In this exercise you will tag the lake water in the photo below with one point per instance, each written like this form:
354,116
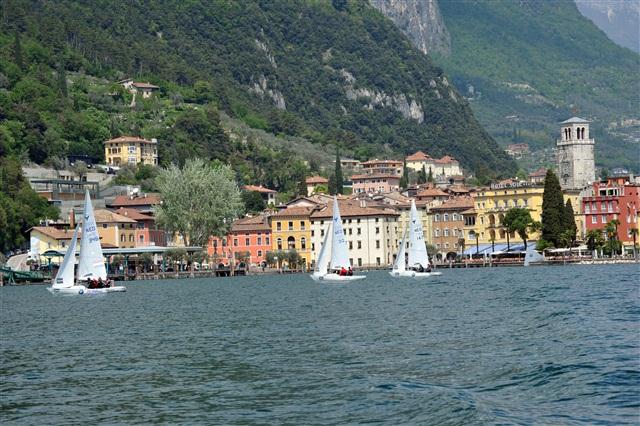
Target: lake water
553,345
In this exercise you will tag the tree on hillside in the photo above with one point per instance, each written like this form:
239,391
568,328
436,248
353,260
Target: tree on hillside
422,175
339,188
553,211
62,79
569,223
430,176
17,51
519,220
253,202
198,201
404,180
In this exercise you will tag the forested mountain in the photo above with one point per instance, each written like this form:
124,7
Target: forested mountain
526,65
331,72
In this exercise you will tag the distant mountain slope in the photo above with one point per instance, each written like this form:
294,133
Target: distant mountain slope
333,72
528,64
619,19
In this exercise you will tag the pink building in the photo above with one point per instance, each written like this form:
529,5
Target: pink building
249,236
375,183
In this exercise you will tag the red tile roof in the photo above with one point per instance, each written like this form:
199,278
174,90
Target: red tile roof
539,173
294,211
107,216
432,192
143,200
418,156
127,139
455,203
144,86
254,188
255,223
446,160
352,208
55,233
313,180
133,214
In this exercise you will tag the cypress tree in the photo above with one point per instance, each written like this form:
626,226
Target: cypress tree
430,176
404,180
553,211
338,174
62,79
569,221
17,51
422,175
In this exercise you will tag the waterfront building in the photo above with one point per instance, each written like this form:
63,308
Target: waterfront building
404,209
291,230
446,222
249,240
314,182
147,232
374,182
268,195
371,232
131,150
616,198
575,157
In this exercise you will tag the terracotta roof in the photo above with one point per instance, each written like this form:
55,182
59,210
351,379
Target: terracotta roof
386,162
254,188
133,214
128,139
144,85
418,156
455,203
107,216
446,160
539,173
255,223
458,189
432,192
349,208
55,233
316,180
143,200
294,211
375,176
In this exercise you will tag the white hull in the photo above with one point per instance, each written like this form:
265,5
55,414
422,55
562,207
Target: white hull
80,289
337,278
413,274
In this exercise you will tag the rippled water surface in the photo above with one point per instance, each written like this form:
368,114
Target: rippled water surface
555,345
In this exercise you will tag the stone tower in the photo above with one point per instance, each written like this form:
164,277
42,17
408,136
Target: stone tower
575,160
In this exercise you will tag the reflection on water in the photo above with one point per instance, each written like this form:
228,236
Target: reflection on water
501,345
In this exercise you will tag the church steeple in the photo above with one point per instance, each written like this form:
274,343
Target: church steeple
575,158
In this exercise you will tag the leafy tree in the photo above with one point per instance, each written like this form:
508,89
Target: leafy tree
569,224
594,239
338,175
253,202
17,51
404,180
612,245
198,201
422,175
519,220
62,79
553,211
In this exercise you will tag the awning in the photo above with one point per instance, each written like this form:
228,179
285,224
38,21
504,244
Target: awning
480,249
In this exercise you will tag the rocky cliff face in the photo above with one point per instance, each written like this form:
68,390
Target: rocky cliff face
420,21
619,19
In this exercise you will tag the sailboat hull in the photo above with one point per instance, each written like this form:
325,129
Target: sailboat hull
413,274
337,278
82,290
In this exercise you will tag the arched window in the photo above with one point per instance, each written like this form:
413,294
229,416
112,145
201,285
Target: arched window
436,218
303,243
142,238
279,243
446,232
131,238
436,233
122,239
291,243
446,217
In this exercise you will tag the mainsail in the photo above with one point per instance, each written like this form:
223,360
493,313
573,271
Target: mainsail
339,247
400,265
417,249
323,258
64,277
91,264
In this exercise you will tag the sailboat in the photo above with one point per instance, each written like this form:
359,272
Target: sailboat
418,259
532,256
91,263
334,253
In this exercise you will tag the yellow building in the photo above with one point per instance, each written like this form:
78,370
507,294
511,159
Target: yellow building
115,230
131,150
291,229
46,238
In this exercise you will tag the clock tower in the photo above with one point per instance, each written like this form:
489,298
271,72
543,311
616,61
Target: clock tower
575,159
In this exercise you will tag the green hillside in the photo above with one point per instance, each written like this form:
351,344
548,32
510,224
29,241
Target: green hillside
536,63
327,72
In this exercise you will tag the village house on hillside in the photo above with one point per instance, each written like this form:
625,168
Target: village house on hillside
441,168
131,150
144,89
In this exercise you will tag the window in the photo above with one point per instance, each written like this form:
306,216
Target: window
259,241
302,225
378,261
122,239
445,217
350,245
290,226
313,246
446,232
246,242
436,233
224,243
359,244
359,261
132,149
603,206
313,233
377,229
586,208
303,243
279,243
610,206
259,253
104,226
322,232
350,231
454,217
446,245
278,226
359,231
142,238
267,241
438,245
291,243
604,218
235,242
436,218
378,244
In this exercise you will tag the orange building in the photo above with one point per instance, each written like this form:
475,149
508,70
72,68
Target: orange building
146,230
249,239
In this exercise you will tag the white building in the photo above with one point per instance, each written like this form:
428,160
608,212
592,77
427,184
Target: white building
442,168
575,158
371,232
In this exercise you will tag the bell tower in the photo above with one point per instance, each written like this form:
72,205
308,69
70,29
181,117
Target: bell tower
575,160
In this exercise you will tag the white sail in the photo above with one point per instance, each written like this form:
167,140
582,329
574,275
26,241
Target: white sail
65,276
339,247
417,249
531,255
400,263
91,264
323,257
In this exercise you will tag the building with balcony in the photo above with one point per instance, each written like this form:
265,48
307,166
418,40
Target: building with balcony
373,182
249,240
291,230
447,223
130,150
382,167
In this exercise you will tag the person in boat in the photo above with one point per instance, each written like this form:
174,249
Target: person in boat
343,272
350,271
100,283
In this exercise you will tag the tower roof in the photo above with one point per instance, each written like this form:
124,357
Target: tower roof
575,120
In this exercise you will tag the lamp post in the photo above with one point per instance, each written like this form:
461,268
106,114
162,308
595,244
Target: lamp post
477,244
